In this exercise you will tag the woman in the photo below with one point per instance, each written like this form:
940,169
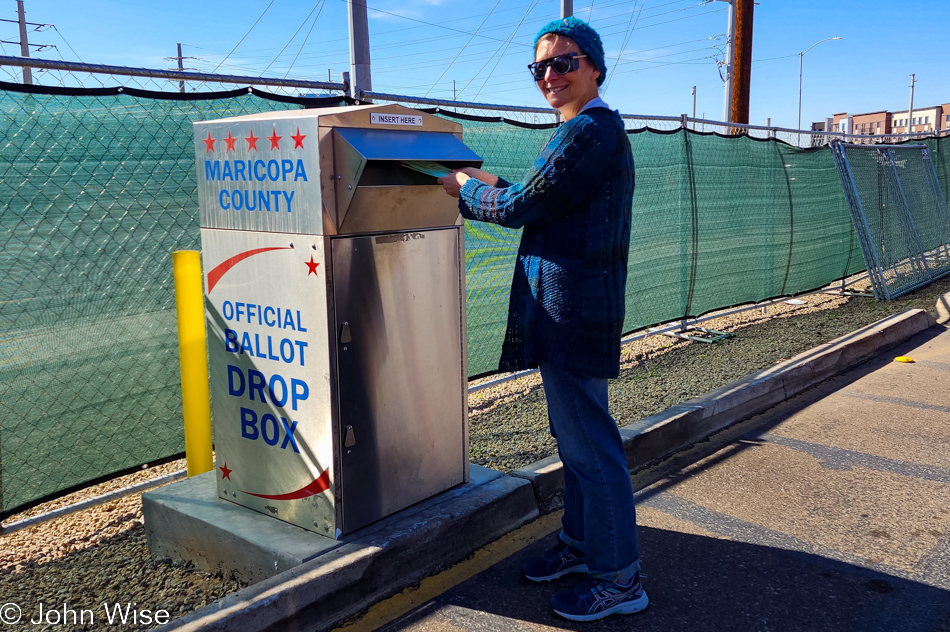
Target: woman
566,312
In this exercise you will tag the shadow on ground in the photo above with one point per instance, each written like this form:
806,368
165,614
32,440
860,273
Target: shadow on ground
700,583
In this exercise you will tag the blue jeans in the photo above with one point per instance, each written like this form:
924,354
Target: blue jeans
599,514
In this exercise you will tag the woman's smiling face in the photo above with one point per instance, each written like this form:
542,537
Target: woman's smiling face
569,91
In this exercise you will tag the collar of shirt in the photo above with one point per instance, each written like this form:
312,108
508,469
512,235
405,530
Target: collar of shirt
596,102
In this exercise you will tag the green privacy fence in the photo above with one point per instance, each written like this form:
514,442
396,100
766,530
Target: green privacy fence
717,221
97,189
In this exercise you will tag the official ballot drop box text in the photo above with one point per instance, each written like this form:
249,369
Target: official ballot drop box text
335,298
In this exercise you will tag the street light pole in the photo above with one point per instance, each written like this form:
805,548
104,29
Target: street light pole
694,105
910,110
801,57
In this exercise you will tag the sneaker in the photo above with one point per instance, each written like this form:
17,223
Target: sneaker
598,598
560,560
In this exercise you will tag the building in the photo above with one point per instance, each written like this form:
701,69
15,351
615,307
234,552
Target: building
872,123
842,123
926,120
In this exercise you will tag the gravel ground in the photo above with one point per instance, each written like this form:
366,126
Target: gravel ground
99,555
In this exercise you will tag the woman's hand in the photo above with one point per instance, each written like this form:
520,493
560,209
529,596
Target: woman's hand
452,182
478,174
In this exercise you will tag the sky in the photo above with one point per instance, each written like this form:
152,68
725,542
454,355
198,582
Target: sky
657,50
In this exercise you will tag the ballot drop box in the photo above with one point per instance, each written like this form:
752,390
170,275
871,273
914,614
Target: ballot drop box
335,295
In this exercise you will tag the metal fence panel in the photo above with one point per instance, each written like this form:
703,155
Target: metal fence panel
900,213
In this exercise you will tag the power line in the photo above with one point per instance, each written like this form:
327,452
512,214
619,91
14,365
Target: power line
652,15
513,33
482,36
245,36
699,61
299,28
622,2
461,50
67,43
600,27
500,50
471,46
403,67
483,32
626,37
440,26
380,33
305,39
414,68
686,17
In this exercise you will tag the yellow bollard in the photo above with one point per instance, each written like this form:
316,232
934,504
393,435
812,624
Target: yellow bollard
192,351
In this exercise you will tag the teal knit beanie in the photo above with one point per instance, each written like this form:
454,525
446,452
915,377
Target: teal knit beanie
585,36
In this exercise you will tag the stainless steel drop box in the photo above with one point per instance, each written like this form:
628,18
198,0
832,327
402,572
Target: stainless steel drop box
335,297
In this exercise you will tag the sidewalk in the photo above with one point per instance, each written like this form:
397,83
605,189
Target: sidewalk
321,592
828,512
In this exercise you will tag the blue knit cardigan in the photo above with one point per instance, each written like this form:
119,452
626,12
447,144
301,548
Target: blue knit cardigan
568,290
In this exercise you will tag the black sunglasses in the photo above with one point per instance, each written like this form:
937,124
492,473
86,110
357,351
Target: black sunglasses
562,64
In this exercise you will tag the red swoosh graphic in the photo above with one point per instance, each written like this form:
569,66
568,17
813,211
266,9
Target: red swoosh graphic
215,275
319,485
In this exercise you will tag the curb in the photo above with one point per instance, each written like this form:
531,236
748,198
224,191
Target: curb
322,592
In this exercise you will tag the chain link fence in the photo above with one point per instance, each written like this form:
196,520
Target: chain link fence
98,189
901,217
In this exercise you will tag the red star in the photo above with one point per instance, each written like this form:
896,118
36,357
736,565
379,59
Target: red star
274,140
251,141
230,140
298,139
311,264
209,143
225,472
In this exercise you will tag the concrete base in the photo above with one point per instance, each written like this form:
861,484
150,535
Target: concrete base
186,521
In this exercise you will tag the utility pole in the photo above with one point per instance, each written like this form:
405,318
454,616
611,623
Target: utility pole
910,110
694,108
181,66
362,80
567,8
742,82
24,44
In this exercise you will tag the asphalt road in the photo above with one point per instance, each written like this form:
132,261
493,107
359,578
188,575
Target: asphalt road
829,512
